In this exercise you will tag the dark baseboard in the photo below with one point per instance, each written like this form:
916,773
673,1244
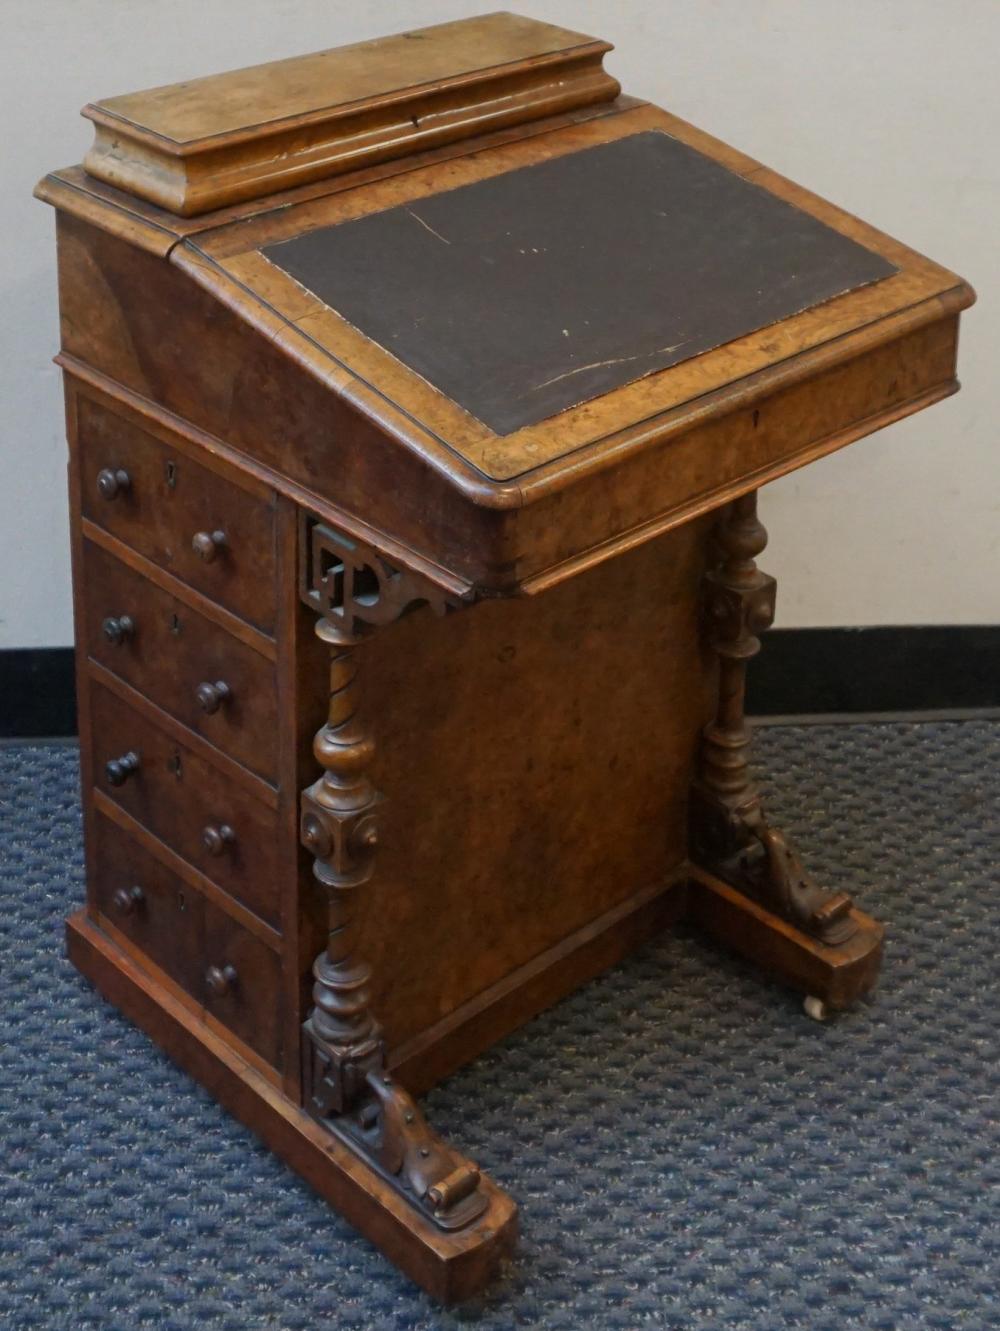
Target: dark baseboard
897,669
799,672
37,693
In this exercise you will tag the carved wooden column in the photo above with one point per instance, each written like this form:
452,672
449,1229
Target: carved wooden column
345,1083
730,834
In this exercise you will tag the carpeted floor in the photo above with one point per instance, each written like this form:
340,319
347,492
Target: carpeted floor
688,1149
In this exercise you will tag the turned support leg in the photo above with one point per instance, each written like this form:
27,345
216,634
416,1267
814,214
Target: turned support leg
346,1085
730,834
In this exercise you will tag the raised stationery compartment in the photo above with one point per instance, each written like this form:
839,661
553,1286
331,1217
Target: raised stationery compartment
198,145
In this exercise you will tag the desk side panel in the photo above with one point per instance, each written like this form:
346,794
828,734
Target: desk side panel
535,757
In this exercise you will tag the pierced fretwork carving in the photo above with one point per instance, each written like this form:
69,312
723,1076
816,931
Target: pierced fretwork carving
353,585
730,834
345,1082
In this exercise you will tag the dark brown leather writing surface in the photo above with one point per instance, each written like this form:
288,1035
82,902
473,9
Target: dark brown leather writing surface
530,292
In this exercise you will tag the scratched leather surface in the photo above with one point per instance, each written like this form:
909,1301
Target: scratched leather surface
536,290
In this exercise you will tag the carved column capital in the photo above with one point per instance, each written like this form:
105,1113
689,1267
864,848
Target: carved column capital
355,588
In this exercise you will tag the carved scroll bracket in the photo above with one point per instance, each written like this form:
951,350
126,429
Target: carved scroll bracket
730,834
354,587
346,1085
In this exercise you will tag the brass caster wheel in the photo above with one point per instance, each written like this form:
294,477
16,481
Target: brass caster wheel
815,1007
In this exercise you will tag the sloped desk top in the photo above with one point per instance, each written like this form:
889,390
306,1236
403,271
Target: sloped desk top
742,271
530,292
589,328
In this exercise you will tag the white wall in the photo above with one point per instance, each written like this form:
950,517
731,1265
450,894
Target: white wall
890,108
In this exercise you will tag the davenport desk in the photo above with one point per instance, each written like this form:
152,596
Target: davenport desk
419,391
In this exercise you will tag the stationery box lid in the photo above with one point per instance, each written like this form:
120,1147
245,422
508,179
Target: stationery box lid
203,144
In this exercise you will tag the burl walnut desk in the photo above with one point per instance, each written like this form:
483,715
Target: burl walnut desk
420,391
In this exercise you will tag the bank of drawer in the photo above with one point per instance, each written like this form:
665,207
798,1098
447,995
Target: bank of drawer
179,658
163,504
211,820
242,983
151,906
229,972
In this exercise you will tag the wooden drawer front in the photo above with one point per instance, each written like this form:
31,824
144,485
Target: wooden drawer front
243,981
158,500
168,652
164,918
188,803
230,973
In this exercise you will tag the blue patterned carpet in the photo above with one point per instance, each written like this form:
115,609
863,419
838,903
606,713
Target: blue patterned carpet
688,1149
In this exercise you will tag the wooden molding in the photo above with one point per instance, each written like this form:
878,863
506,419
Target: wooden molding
199,145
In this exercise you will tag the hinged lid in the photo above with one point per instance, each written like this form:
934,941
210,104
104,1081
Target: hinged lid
199,145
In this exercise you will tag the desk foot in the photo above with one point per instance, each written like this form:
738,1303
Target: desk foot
832,976
741,847
351,1093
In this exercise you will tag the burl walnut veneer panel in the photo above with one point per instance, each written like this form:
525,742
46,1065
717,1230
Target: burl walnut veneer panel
529,793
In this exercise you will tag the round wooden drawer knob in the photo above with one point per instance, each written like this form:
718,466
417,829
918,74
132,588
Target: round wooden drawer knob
127,900
207,544
118,628
113,481
210,697
118,770
216,839
221,980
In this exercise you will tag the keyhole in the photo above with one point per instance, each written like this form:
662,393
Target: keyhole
174,765
175,625
171,474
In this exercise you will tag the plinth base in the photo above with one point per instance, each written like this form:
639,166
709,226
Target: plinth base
449,1266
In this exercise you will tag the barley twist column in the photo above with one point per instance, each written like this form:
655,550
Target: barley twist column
338,826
